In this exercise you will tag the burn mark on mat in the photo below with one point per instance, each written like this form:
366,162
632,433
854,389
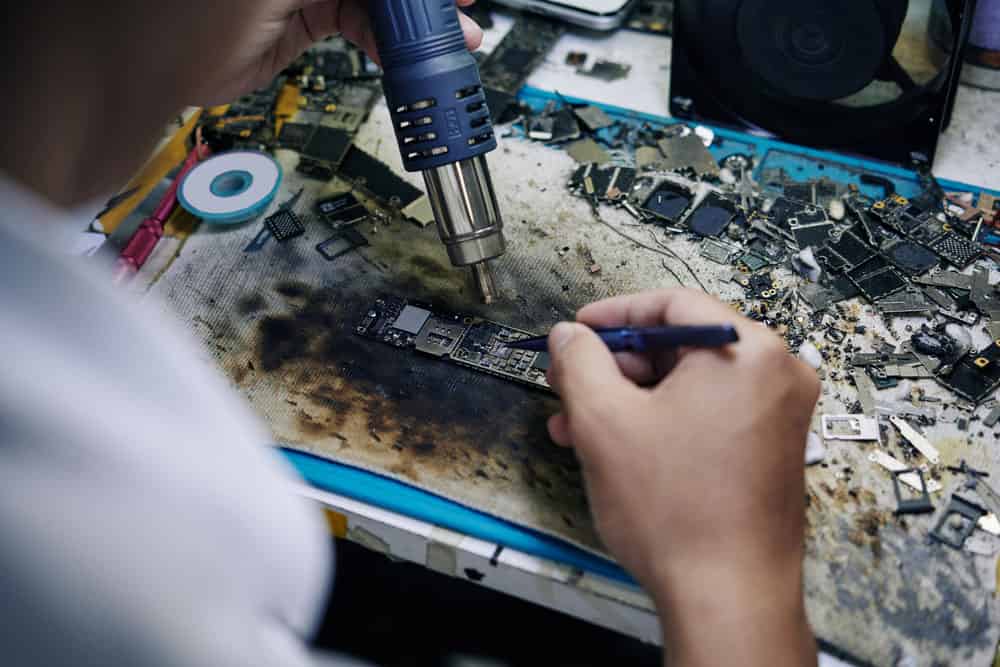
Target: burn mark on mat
434,418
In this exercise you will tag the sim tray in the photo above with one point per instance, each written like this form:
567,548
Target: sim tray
914,505
968,514
341,243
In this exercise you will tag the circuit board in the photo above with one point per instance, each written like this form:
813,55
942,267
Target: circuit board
461,339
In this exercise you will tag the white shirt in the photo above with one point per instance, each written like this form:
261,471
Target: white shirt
143,519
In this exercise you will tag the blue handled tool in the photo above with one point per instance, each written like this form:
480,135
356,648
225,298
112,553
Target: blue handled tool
647,339
443,126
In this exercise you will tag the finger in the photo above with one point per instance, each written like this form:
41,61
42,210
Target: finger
473,33
559,430
638,368
632,312
583,371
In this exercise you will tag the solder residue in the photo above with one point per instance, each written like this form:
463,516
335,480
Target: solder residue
461,339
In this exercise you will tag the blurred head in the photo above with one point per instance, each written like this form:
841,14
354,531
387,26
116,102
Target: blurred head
89,86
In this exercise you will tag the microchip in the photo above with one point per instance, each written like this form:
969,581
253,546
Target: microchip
328,144
812,235
294,136
910,257
881,284
668,202
959,251
411,320
851,249
285,225
343,209
712,216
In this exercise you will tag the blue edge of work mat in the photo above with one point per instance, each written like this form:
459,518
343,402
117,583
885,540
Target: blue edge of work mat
800,163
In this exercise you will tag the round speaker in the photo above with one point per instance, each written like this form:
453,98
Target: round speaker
812,49
815,72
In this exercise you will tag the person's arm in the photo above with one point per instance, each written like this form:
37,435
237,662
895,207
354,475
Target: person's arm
693,462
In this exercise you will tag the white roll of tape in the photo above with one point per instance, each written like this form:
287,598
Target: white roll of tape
231,187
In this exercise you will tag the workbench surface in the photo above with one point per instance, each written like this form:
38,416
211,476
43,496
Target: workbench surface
281,324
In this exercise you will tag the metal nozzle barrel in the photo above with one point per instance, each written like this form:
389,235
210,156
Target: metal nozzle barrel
468,217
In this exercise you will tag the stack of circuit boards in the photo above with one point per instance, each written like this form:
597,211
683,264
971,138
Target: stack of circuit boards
461,339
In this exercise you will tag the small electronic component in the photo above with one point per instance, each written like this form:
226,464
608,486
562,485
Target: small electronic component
604,183
342,210
976,376
285,225
593,118
850,427
656,16
668,202
712,216
911,258
717,251
464,340
957,249
916,505
588,151
957,522
606,70
341,243
511,62
377,179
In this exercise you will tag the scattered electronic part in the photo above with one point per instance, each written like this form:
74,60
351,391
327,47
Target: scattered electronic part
712,216
683,152
717,251
850,427
897,467
341,243
593,118
285,225
588,151
603,183
259,241
342,210
911,258
907,302
916,439
509,65
957,522
606,70
993,418
976,376
377,179
461,339
656,16
668,202
917,505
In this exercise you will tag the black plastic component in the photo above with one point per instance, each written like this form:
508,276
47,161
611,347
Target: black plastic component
712,216
967,514
378,179
341,243
285,225
919,505
668,202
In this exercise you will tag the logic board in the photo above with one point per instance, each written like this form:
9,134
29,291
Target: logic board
462,339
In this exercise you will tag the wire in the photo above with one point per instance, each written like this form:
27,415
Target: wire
669,253
672,253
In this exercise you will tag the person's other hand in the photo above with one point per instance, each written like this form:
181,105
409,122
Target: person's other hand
693,462
278,31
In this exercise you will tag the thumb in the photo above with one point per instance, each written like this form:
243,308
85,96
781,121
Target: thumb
583,370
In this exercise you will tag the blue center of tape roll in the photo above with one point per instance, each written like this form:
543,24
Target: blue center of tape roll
231,183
